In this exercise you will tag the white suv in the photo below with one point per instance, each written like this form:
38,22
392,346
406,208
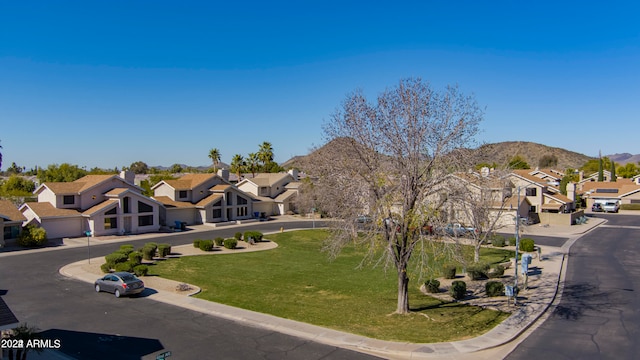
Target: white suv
611,207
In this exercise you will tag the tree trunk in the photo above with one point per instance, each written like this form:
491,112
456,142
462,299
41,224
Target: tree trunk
403,291
476,253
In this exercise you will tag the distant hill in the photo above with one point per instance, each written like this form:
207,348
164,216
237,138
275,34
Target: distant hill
500,153
625,158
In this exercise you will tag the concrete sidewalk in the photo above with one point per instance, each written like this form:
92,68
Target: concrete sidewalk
543,283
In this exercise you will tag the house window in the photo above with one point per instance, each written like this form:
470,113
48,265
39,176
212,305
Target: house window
125,205
531,191
218,203
182,194
113,211
69,199
11,232
110,223
146,220
216,213
144,208
229,199
532,209
241,200
241,211
264,190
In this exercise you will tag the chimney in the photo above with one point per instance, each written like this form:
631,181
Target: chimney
224,174
580,175
128,176
571,191
294,173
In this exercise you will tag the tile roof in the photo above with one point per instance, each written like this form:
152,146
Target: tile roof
117,191
10,211
622,187
169,203
101,206
63,187
46,210
80,185
209,199
285,195
220,187
268,179
189,181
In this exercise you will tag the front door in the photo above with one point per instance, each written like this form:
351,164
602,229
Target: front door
127,224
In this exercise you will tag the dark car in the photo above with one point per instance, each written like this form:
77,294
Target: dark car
120,283
597,207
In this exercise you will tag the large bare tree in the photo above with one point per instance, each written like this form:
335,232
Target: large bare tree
384,160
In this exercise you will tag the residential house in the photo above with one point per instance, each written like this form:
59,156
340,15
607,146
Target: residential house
10,221
273,193
622,191
101,204
202,198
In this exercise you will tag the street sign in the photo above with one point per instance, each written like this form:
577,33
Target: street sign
508,291
164,355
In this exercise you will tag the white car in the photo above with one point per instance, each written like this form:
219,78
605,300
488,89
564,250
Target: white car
611,207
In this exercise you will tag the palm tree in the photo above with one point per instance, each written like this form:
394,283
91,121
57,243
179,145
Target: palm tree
265,154
253,162
0,158
214,155
237,164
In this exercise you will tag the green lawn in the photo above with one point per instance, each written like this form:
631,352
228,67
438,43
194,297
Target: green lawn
297,281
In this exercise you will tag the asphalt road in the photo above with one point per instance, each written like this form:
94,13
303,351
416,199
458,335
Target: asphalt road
97,326
597,317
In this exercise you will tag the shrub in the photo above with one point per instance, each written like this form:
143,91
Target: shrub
164,250
148,252
32,236
206,245
196,243
494,288
255,235
141,270
124,266
135,257
151,245
527,245
126,249
458,289
219,241
106,267
497,272
512,241
630,207
238,236
449,271
116,258
230,243
432,286
477,271
498,240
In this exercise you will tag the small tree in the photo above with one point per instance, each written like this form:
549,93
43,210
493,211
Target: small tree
32,236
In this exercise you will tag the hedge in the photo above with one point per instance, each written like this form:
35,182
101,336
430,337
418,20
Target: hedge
230,243
219,241
206,245
432,286
255,235
106,268
141,270
164,250
124,266
116,258
512,241
135,257
498,241
494,288
477,271
496,272
196,243
458,289
449,271
238,236
148,252
527,245
630,207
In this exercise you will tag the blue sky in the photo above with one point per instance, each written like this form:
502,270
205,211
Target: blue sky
109,83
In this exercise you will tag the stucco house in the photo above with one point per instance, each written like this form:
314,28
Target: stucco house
102,204
622,191
11,220
273,193
202,198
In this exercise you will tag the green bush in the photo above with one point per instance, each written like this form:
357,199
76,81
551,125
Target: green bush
116,258
527,245
106,267
238,236
498,240
206,245
164,250
196,243
494,288
458,289
151,245
230,243
135,257
124,266
219,241
477,271
32,236
432,286
512,241
141,270
148,252
125,249
449,271
497,272
630,207
255,235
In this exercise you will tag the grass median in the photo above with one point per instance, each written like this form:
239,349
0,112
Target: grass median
297,281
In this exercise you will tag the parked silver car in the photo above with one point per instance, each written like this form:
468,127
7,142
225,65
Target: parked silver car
119,283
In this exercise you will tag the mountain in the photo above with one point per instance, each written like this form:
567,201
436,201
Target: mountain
625,158
499,153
